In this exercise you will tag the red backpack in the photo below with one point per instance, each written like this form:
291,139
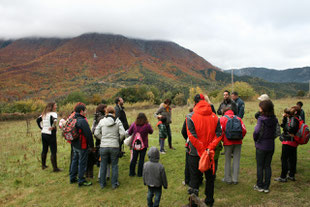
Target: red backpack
302,136
70,132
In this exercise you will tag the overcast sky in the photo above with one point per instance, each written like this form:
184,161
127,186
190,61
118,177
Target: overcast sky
227,33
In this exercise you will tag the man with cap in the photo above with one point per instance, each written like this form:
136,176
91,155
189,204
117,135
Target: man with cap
204,133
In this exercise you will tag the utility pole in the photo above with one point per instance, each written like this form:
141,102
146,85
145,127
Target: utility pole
232,79
309,89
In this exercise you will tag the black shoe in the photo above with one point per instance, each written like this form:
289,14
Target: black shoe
73,181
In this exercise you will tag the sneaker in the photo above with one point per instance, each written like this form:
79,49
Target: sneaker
235,183
85,183
258,188
279,179
227,182
266,190
291,178
115,186
172,148
162,152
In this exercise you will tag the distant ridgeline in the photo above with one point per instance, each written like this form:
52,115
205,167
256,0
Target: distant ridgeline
52,68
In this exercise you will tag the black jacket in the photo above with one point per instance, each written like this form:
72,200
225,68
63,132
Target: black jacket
120,113
86,138
227,103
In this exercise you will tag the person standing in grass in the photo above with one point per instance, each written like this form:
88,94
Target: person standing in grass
112,132
165,110
162,133
142,128
239,102
80,147
227,102
290,125
204,133
47,123
232,146
264,136
154,176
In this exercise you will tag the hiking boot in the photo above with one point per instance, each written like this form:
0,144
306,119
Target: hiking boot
291,178
282,180
258,188
73,181
172,148
85,183
43,160
54,163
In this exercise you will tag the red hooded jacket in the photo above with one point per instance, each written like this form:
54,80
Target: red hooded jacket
203,128
223,121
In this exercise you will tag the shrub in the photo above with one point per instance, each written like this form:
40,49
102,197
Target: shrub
179,99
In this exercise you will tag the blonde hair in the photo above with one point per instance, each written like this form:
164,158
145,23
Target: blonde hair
110,110
207,99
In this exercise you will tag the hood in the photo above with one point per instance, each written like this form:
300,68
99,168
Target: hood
269,121
229,113
203,108
109,120
153,154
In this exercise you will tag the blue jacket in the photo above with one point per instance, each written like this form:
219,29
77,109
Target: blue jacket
240,105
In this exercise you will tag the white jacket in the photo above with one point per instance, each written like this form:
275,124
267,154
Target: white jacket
111,131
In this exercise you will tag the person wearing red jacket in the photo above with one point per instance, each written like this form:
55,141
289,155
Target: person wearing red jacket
232,147
204,133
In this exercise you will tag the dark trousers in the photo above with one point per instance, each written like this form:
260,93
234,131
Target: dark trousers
169,135
288,157
186,171
150,194
133,162
263,163
162,145
195,179
49,140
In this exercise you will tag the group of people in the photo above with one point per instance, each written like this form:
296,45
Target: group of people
203,131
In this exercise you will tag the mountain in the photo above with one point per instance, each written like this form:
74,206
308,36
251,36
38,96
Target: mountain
295,75
51,68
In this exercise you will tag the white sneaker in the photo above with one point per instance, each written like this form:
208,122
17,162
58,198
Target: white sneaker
258,188
163,152
266,190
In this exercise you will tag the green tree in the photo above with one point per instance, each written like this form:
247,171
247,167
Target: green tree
180,99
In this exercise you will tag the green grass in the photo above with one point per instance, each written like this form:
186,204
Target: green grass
23,183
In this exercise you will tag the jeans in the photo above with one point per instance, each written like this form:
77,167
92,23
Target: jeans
231,175
150,194
288,157
263,162
169,135
162,145
135,154
195,179
79,164
107,153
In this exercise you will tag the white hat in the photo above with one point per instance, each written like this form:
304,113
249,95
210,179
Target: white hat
264,97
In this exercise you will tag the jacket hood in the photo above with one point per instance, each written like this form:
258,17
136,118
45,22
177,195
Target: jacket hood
203,108
229,113
153,154
108,120
269,121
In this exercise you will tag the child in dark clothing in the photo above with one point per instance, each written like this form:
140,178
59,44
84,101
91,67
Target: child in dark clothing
154,176
163,133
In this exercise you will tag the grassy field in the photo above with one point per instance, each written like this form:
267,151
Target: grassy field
23,183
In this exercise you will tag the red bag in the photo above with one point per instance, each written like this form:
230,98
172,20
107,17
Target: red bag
302,136
206,161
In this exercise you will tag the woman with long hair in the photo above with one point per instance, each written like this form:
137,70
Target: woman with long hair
47,123
264,136
142,128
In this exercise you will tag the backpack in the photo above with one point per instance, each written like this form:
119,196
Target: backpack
302,136
70,132
137,143
233,128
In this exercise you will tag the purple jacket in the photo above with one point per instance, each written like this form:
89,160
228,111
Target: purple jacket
144,130
266,141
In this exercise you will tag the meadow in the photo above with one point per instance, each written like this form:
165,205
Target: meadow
24,183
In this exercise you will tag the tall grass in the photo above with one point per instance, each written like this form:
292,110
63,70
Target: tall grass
23,183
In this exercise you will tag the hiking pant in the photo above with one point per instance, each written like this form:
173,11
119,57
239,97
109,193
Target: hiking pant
195,179
234,149
79,164
150,194
105,154
288,156
186,171
263,163
49,140
162,145
135,154
169,135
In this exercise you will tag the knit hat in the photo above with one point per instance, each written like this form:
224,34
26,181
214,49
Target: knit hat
263,97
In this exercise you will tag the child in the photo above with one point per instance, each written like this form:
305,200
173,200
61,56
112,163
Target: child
154,176
163,133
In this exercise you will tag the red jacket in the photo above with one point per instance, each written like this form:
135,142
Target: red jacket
203,128
223,121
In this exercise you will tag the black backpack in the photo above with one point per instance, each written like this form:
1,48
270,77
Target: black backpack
233,128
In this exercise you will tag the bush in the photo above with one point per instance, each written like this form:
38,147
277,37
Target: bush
24,106
179,99
245,91
74,97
